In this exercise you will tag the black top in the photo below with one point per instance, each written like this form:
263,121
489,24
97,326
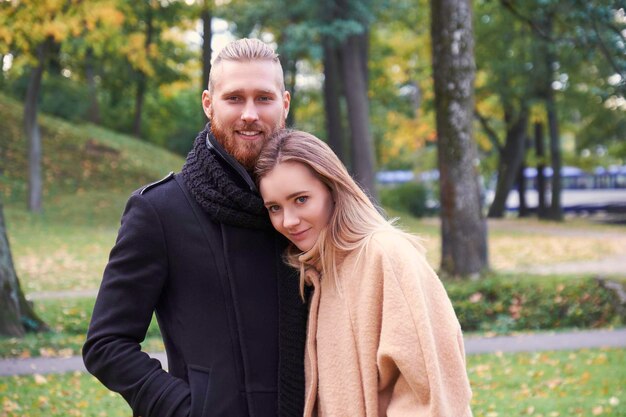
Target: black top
228,308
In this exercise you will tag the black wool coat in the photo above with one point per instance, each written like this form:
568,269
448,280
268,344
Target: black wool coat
225,303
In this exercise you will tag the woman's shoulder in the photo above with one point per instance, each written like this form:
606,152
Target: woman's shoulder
394,243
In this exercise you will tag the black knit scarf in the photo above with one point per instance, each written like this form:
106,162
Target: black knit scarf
214,189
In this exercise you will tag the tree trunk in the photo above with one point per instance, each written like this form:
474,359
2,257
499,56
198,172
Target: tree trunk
139,99
510,160
142,79
556,209
332,94
2,75
290,79
540,179
355,89
463,227
93,114
33,133
523,210
16,314
207,36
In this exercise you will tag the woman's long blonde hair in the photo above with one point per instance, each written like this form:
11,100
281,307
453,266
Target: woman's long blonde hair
354,218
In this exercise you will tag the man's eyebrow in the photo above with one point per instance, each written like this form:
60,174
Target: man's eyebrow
242,91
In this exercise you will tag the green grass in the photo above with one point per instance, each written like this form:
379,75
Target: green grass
67,395
67,246
548,384
68,320
76,158
88,173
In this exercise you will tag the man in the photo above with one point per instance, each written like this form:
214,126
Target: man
198,249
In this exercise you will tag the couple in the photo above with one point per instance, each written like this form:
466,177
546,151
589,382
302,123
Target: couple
232,296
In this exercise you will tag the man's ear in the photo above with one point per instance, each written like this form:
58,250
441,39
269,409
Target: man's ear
286,102
206,103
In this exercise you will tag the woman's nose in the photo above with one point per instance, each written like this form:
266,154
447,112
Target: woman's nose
290,219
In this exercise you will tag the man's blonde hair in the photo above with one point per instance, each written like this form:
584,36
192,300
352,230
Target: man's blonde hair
245,50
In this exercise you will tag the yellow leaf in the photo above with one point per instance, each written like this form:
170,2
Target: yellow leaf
8,405
40,379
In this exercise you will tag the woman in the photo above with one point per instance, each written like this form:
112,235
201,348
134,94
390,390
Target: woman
382,339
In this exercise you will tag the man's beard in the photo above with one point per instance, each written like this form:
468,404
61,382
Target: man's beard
245,152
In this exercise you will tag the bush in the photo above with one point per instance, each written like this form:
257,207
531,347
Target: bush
409,197
506,304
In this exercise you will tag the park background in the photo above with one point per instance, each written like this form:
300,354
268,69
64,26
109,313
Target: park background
98,97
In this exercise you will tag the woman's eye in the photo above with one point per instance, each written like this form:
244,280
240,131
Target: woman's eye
302,199
273,209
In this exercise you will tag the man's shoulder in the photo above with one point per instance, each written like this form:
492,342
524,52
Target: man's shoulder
162,193
143,190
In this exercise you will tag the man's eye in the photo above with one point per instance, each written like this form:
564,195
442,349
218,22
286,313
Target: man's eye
232,98
265,98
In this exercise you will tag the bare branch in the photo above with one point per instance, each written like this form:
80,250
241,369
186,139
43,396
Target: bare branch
489,131
508,4
607,53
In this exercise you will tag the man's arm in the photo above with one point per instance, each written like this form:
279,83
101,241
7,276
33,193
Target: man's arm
131,286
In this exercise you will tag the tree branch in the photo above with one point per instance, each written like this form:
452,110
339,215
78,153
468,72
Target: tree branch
533,25
607,53
489,131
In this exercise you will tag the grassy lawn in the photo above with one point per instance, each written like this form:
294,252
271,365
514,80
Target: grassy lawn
549,384
518,243
66,247
68,320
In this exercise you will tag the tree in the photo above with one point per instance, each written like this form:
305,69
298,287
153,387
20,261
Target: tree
503,94
569,35
16,314
463,227
206,15
146,24
511,158
31,29
353,58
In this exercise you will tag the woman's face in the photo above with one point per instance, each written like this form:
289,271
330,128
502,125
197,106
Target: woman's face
299,204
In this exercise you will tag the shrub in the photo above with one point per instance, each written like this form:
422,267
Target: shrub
410,197
506,304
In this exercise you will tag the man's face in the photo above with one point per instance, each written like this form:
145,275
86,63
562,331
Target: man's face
247,105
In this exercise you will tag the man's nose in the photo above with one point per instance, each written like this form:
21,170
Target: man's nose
250,113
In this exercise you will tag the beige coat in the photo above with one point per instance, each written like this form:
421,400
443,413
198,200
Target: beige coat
388,342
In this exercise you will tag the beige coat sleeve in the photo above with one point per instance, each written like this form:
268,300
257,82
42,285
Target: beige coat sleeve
420,357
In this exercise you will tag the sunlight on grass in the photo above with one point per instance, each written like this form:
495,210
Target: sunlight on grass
546,384
67,395
67,247
68,319
549,384
520,243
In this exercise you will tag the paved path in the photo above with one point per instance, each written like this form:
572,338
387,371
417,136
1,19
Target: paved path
473,345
